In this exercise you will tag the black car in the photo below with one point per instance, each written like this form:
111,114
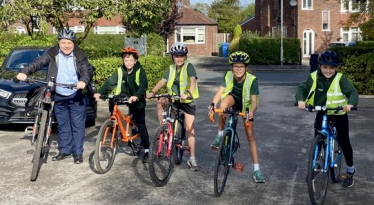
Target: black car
13,95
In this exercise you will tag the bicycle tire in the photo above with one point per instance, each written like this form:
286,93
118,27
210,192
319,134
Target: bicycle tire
317,181
335,171
178,143
222,168
104,154
135,144
39,146
160,166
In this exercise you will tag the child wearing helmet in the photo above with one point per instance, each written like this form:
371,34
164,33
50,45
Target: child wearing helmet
126,81
239,89
179,72
319,89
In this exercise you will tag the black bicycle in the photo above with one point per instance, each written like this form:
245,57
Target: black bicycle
42,128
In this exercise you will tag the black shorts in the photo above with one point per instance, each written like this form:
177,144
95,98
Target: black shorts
187,108
238,105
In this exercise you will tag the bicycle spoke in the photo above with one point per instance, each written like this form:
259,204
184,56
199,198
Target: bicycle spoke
106,147
222,167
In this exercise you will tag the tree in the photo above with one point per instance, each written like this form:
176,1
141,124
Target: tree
248,12
202,8
225,12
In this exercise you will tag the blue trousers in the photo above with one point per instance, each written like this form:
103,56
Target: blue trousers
70,112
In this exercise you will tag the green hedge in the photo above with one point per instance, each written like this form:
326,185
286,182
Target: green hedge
154,66
267,50
365,43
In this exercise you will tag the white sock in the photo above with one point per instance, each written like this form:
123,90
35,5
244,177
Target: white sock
220,132
146,150
256,167
192,159
351,169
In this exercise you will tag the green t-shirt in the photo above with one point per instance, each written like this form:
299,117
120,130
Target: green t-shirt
191,72
237,89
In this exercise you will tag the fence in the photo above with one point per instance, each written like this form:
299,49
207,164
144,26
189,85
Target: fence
220,38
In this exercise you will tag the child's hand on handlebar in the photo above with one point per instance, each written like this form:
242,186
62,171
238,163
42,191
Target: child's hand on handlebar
301,105
347,108
133,99
97,96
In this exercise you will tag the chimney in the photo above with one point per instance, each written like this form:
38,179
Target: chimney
186,2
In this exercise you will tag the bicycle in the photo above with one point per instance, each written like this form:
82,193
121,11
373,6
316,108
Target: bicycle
42,127
228,146
118,129
169,142
325,156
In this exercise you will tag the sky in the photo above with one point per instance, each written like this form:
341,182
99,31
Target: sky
242,2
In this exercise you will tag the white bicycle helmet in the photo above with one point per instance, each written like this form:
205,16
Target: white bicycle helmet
178,49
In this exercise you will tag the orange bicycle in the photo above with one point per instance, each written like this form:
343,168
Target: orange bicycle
117,130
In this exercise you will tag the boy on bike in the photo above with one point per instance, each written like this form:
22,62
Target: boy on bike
180,79
239,89
327,87
130,80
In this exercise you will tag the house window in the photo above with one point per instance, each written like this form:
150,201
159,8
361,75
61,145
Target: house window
192,35
351,34
275,32
109,30
353,5
325,20
19,29
307,4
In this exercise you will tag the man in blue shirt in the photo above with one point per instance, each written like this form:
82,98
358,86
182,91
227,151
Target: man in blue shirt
68,64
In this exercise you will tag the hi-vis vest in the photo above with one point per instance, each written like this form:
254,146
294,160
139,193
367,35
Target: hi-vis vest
335,97
119,80
246,93
184,82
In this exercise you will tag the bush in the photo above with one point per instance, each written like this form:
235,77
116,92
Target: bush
365,43
360,70
154,66
155,45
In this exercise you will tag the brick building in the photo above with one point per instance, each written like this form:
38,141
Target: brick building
315,23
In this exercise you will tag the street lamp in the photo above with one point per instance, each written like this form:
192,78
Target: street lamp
281,27
293,3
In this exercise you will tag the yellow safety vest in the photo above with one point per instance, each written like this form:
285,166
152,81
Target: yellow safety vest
119,80
184,82
246,93
335,97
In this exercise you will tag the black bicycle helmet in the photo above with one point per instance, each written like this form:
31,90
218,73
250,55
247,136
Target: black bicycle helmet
66,34
239,57
329,58
178,49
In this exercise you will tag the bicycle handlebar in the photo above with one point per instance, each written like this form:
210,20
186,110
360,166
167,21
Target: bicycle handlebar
175,97
116,98
48,83
311,108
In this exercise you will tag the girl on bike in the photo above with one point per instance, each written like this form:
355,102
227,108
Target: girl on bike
126,81
327,87
239,89
180,79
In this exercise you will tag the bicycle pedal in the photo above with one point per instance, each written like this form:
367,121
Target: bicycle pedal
239,167
52,154
28,131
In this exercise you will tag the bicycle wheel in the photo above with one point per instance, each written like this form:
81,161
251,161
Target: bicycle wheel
39,146
105,149
221,169
160,165
335,171
135,144
178,143
317,178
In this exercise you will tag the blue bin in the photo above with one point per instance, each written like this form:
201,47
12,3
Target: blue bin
225,49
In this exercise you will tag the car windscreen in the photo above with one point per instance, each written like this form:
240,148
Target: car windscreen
21,58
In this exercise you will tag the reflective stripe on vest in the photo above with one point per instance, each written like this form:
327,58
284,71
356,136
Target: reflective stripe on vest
246,93
184,82
335,97
119,80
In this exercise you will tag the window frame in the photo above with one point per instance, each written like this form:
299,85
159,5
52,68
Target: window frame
181,30
328,20
307,5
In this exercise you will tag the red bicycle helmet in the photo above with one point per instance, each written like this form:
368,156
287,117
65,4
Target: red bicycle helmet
130,50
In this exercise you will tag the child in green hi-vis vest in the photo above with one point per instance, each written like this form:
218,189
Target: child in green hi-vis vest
126,81
180,79
327,87
239,89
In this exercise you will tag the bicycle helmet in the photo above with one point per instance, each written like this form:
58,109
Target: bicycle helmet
130,50
239,57
329,58
178,49
66,34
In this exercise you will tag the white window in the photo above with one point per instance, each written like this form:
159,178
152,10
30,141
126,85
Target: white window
307,4
77,29
190,35
351,34
325,20
353,5
109,30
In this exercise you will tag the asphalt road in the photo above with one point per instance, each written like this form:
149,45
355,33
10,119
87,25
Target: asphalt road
283,134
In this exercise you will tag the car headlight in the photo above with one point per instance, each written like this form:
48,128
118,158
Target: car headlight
5,94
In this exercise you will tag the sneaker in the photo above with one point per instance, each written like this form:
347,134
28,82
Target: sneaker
349,181
216,141
192,163
258,177
145,157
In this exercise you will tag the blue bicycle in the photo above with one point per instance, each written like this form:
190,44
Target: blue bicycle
325,157
228,146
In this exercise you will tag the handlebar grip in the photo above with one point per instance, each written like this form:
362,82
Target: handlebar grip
211,118
15,79
354,108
